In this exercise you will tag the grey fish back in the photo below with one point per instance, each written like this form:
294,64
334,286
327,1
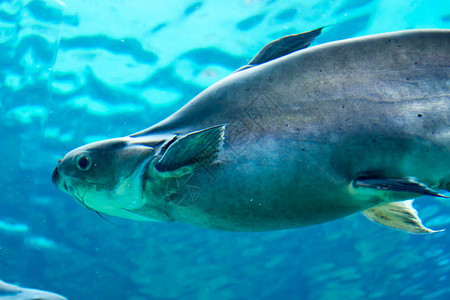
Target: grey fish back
412,67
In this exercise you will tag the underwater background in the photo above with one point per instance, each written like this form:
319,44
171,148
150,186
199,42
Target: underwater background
89,70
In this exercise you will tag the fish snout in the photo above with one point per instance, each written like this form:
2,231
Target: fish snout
55,177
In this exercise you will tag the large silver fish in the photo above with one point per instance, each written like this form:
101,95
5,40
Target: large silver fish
13,292
297,137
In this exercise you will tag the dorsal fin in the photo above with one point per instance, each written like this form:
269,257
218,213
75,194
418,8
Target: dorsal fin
283,46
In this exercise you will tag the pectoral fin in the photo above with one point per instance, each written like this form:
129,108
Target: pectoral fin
399,215
198,147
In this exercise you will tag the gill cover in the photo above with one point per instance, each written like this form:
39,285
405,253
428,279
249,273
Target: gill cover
177,158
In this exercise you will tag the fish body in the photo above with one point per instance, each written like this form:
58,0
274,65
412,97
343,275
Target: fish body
314,135
13,292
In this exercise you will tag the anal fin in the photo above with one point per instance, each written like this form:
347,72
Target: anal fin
399,215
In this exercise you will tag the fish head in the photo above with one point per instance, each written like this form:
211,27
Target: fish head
129,177
106,176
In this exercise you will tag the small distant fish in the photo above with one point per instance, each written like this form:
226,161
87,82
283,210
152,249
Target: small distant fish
14,292
297,137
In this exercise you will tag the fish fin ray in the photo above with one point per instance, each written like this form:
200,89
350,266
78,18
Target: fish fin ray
283,46
399,215
200,146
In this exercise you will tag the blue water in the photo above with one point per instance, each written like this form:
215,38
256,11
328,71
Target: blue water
91,70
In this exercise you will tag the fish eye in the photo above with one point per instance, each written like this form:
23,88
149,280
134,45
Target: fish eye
83,161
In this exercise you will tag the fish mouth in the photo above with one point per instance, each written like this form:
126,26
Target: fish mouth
79,197
55,177
61,184
69,189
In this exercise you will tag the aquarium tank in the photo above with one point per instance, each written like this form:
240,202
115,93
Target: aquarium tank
78,71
